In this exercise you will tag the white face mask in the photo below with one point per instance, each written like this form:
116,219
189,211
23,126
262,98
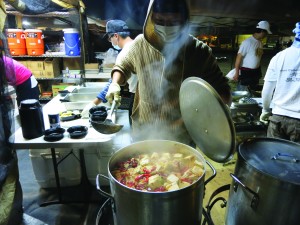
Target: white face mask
116,46
167,33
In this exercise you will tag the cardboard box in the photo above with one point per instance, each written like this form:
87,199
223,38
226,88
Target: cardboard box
51,67
23,62
38,73
71,63
91,66
35,65
48,68
59,87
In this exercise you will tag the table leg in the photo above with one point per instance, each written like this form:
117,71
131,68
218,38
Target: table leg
58,187
85,185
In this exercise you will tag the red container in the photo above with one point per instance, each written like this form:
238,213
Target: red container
16,41
34,42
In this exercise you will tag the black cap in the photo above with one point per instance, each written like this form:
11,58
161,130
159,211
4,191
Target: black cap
115,26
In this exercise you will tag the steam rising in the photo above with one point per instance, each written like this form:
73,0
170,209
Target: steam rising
160,125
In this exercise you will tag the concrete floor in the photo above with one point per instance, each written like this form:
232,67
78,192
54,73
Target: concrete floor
218,214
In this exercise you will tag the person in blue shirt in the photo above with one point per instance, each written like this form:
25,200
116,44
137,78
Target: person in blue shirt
119,36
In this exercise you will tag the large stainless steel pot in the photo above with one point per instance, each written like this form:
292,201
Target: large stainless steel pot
266,184
134,207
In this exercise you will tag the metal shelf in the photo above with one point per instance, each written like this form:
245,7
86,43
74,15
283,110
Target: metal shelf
50,14
46,78
45,56
72,18
45,99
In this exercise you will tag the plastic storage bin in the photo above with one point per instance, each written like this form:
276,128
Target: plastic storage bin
69,169
96,161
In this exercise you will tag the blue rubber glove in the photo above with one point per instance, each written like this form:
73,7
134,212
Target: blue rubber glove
103,93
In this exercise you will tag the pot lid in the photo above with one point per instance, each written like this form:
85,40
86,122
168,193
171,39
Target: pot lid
207,119
275,157
27,103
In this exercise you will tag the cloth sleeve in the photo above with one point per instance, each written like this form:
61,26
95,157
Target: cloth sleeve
243,48
124,61
271,74
267,94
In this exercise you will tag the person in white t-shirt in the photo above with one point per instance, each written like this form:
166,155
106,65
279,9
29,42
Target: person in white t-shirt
247,63
282,88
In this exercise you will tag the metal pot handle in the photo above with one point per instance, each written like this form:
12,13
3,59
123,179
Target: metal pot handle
289,157
103,192
255,199
214,172
98,186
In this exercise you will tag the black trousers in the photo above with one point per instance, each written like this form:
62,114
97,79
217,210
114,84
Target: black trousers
250,77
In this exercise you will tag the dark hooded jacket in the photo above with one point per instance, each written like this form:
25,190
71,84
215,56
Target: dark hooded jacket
161,68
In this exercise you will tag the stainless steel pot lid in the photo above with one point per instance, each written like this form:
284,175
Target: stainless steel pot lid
274,157
207,119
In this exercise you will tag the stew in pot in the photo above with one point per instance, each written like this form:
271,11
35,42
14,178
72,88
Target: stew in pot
159,172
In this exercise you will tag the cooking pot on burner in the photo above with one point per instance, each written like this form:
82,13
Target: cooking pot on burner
209,124
131,206
266,184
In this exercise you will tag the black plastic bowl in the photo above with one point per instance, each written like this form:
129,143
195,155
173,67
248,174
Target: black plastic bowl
63,93
98,113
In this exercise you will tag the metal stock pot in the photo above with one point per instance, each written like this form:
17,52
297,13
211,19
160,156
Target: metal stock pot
134,207
210,126
266,184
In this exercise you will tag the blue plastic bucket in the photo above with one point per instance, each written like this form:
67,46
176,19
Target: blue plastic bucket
72,42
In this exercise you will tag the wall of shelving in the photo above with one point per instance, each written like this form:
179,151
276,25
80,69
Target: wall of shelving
52,25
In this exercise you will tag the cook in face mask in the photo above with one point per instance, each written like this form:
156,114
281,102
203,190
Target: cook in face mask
167,33
114,39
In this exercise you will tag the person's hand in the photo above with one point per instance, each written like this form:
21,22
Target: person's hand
113,93
264,117
236,76
85,111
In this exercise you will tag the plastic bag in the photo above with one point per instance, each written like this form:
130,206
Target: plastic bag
110,58
230,74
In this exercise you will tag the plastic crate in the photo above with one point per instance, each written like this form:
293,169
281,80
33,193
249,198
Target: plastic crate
68,169
96,161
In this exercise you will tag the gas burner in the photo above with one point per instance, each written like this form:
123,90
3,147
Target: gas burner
247,100
105,214
247,124
241,118
245,121
245,109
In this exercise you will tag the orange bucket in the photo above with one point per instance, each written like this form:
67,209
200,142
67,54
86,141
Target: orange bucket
34,42
16,41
